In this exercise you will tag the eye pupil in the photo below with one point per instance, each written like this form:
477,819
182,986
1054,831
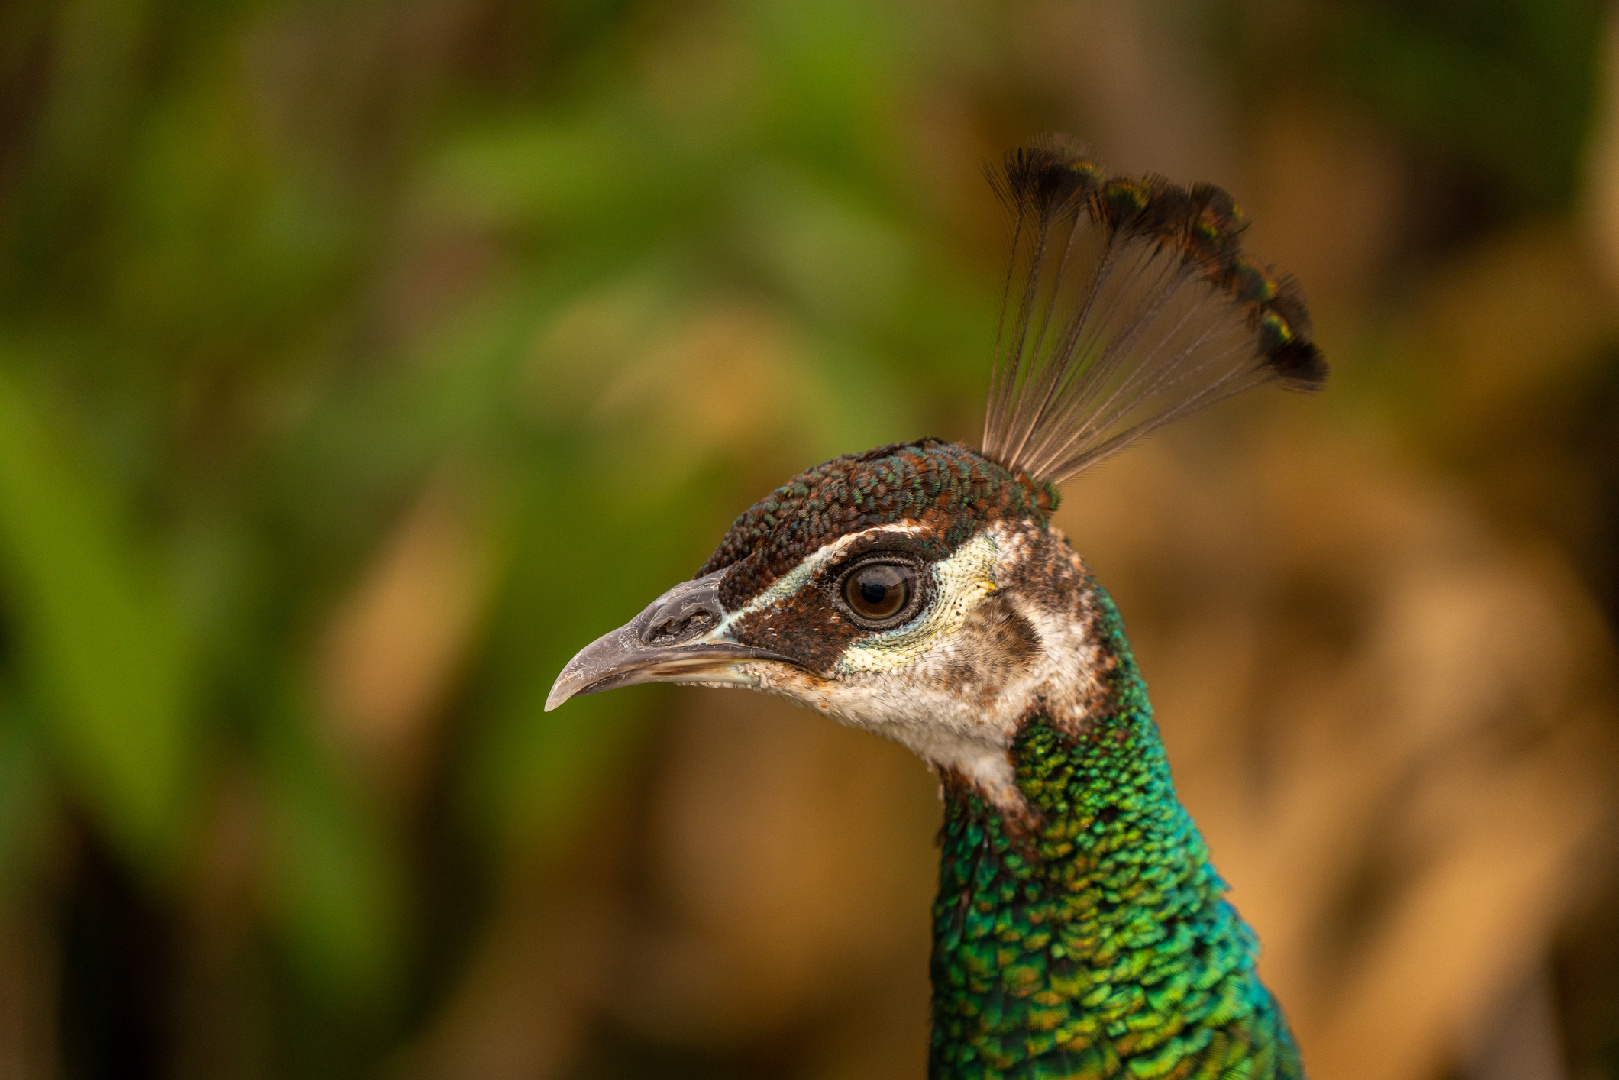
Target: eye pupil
878,590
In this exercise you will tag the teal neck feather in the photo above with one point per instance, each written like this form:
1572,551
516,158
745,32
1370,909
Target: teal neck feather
1094,941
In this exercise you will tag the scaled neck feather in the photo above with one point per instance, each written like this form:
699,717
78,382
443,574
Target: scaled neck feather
1089,935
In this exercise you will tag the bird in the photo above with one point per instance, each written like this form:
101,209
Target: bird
920,591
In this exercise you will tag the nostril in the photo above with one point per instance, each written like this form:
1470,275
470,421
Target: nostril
681,624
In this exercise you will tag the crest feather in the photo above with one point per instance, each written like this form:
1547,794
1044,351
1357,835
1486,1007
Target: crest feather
1129,303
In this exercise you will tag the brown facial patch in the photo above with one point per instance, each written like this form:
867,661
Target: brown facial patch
806,627
1050,575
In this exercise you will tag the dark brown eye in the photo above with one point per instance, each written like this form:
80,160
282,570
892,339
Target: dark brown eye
878,591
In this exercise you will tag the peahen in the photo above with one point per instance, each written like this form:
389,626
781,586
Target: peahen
920,591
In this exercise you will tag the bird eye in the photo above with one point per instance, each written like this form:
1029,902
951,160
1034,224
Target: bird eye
878,591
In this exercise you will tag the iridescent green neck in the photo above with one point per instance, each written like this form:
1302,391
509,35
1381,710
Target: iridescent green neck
1094,940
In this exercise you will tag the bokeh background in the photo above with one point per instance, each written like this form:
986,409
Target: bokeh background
361,360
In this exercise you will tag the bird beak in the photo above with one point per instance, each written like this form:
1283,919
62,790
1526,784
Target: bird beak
679,638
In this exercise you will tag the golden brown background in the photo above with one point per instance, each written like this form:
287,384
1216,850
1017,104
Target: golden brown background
361,360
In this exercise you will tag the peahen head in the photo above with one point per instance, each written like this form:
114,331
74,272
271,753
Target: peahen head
919,591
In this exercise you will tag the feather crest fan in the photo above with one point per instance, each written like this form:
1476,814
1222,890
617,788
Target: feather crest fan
1129,303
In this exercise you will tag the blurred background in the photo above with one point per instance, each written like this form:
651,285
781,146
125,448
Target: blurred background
361,360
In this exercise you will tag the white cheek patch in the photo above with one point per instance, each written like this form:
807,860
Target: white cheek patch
959,583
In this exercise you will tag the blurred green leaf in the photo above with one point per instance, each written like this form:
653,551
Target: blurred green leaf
334,888
609,172
108,656
223,254
1506,85
24,788
842,261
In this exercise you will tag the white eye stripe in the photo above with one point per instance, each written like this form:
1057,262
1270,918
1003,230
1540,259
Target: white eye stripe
799,576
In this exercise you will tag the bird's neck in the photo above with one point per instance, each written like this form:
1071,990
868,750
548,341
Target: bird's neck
1090,937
